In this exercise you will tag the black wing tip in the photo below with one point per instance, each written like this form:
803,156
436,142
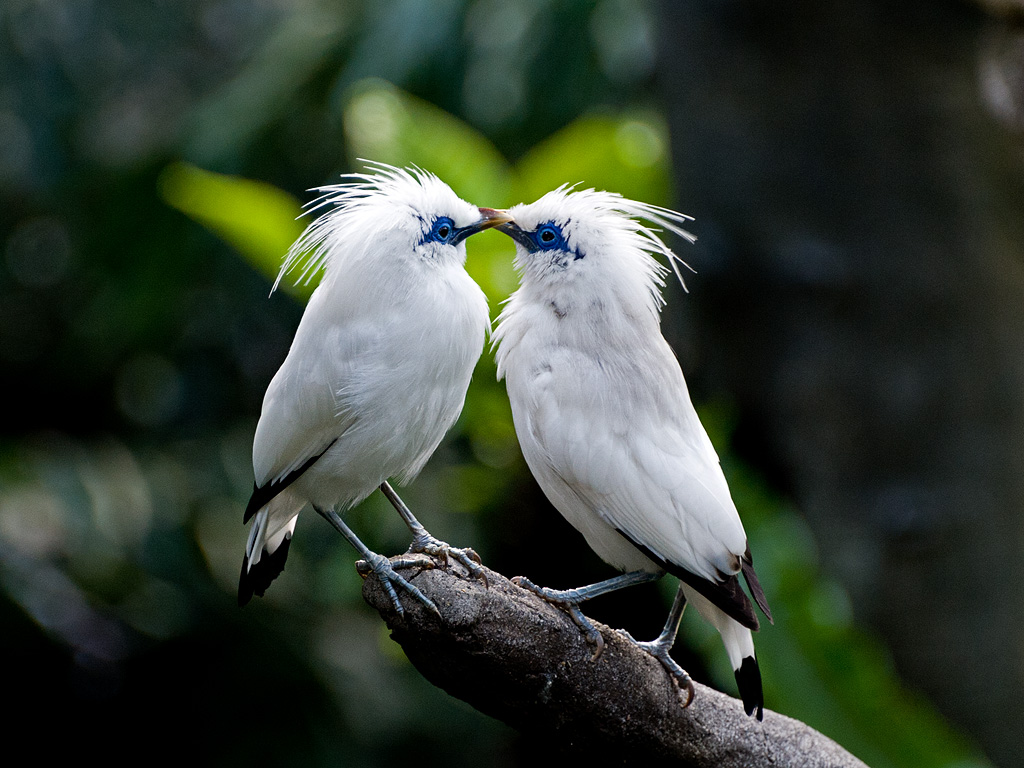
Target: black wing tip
727,595
748,680
255,580
261,495
747,565
256,501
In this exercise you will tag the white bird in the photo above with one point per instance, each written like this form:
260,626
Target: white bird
605,421
378,370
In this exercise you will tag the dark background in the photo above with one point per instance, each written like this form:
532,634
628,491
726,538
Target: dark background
853,336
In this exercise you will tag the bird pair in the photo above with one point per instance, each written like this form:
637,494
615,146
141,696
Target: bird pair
381,361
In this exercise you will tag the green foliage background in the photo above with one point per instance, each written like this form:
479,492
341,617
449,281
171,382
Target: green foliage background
138,336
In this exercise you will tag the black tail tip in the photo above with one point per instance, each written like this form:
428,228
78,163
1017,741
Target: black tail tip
748,679
255,580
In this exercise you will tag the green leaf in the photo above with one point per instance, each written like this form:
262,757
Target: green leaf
625,153
387,125
257,219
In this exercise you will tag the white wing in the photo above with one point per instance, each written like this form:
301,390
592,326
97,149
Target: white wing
304,409
623,438
383,371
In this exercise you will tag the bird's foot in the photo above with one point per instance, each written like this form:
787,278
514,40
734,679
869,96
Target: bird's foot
569,601
659,649
466,557
385,570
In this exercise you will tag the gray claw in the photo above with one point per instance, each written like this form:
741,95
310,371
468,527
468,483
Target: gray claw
467,557
567,600
385,571
659,651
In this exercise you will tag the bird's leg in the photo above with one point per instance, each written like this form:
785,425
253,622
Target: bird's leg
569,599
423,542
660,647
380,565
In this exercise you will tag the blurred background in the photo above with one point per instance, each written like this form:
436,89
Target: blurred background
853,337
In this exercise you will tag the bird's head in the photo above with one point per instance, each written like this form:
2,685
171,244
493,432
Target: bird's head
589,242
390,214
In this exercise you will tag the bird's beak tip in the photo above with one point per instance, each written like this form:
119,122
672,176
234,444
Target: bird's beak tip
490,217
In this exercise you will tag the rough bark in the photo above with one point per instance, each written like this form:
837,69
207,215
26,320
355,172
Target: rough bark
514,657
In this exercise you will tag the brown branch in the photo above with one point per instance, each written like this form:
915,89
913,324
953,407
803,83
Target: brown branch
516,658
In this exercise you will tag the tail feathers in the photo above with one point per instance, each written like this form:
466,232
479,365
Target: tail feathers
747,564
748,680
267,547
739,645
255,578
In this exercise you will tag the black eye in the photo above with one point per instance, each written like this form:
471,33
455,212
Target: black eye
441,231
549,237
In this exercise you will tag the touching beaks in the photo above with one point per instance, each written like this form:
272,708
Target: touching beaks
489,217
518,234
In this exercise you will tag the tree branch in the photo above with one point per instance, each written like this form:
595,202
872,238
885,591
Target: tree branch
514,657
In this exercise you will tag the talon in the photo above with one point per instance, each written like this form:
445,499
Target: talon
423,563
468,558
690,691
594,637
389,577
567,601
441,553
660,650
